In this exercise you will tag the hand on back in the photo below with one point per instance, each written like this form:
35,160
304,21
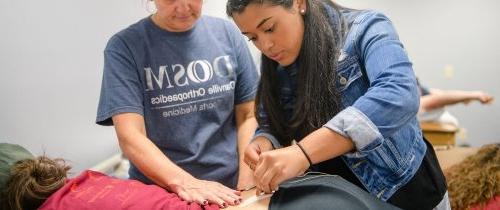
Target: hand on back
205,192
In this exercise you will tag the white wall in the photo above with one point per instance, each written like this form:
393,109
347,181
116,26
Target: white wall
51,65
453,45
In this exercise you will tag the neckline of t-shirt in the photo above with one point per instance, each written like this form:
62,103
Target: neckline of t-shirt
157,28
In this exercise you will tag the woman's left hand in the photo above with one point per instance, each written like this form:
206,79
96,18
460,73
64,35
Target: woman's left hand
277,166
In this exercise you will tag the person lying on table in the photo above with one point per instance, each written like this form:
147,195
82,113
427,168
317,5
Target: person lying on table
28,182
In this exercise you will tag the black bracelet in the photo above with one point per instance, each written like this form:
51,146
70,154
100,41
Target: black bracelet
307,156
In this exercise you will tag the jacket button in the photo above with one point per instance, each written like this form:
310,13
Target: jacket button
343,80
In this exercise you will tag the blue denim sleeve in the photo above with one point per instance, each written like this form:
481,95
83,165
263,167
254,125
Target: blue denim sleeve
392,98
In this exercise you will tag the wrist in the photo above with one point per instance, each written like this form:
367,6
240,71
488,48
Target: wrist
273,142
173,183
307,163
263,140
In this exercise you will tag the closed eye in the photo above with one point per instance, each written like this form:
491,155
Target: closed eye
270,30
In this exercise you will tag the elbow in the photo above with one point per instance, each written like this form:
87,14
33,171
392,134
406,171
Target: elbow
411,101
414,104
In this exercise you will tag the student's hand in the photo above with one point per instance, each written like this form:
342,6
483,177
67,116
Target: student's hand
277,166
205,192
254,149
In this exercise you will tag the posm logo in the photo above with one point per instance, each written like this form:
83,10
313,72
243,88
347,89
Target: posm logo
198,71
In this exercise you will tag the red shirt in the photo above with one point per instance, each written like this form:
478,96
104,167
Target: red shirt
94,190
492,204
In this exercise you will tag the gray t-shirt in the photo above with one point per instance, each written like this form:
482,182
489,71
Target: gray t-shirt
186,86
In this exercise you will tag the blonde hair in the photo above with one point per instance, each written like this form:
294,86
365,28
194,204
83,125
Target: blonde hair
475,180
32,181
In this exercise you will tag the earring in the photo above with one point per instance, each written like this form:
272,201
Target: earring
150,6
302,11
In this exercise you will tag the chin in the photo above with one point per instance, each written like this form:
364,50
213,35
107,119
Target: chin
285,62
185,27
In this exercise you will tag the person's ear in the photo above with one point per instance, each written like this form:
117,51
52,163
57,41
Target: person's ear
301,6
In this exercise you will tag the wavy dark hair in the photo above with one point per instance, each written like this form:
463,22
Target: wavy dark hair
32,181
317,99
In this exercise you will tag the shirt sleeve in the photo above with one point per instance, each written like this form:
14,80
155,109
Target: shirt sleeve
121,88
246,72
392,98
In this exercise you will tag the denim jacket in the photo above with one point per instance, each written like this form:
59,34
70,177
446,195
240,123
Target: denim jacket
379,103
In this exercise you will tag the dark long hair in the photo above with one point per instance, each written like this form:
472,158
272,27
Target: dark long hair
317,99
32,181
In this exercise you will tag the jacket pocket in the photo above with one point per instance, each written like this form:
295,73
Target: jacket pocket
348,71
388,160
350,81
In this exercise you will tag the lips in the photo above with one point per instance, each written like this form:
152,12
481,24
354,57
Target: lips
276,56
183,17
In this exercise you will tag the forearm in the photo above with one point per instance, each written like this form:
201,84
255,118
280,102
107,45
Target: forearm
324,144
441,98
246,125
152,162
145,155
245,132
274,167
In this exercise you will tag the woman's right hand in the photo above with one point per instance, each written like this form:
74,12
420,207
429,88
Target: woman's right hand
205,192
254,149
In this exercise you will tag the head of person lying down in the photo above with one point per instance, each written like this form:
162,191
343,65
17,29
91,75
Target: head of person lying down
474,182
29,182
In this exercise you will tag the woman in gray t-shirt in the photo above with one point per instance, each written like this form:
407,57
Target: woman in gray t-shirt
179,88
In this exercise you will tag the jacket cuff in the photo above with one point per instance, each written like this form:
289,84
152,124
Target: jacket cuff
269,137
353,124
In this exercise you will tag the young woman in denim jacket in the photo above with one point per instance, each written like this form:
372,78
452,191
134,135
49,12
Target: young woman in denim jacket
339,82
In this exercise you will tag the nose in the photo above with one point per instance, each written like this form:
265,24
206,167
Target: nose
266,45
182,6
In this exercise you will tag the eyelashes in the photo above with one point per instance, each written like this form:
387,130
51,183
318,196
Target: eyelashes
269,30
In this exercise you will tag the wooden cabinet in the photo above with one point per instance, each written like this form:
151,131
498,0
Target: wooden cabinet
439,134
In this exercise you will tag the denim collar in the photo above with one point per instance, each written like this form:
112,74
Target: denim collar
336,22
